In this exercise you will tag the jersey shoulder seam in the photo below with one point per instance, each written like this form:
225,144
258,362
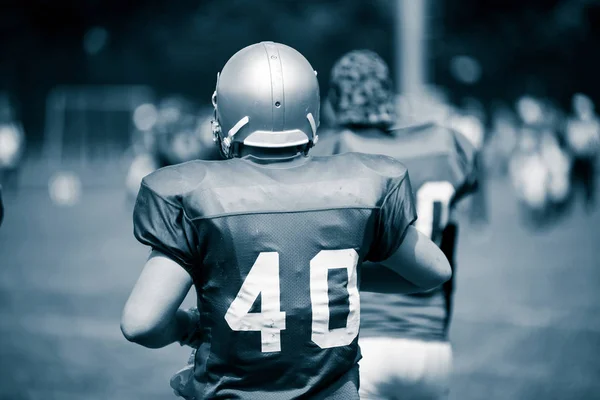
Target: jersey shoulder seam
396,186
167,201
160,196
232,214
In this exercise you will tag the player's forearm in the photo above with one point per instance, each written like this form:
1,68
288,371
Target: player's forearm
179,327
380,279
419,261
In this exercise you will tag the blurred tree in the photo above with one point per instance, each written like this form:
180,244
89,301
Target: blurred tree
173,46
545,47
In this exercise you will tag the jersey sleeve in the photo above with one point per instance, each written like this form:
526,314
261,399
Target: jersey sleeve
397,212
161,223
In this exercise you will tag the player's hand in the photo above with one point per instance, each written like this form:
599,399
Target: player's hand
182,382
191,336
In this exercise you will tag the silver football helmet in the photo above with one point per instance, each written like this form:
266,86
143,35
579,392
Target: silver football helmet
267,96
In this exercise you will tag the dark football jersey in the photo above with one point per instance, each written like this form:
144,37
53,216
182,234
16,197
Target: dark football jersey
273,250
442,169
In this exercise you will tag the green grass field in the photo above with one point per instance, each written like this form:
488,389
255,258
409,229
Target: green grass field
526,326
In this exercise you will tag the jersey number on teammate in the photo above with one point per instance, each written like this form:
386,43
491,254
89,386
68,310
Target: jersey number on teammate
263,279
433,202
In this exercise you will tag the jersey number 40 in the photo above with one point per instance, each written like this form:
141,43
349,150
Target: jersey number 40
263,279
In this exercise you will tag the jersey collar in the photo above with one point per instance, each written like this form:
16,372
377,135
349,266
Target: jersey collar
277,162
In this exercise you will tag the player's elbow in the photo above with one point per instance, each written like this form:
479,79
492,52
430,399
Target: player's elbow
440,272
446,274
420,261
436,269
140,330
134,331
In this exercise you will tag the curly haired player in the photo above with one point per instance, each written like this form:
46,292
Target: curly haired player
404,337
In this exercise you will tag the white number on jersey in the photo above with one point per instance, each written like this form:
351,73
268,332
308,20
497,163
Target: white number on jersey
263,279
427,195
319,298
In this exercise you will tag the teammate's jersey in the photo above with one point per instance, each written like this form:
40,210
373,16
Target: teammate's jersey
442,170
273,251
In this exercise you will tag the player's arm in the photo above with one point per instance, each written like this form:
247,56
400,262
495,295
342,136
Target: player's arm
400,247
419,261
416,266
379,279
152,317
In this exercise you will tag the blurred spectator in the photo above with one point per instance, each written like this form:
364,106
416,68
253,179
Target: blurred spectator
558,165
183,133
172,133
12,144
470,122
529,174
65,188
502,140
583,140
540,166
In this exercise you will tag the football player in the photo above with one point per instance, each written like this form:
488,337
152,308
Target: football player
272,239
404,337
583,139
12,145
529,177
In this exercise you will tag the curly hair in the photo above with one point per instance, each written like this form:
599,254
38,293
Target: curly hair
361,90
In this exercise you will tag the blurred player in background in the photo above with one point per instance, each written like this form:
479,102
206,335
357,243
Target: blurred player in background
183,133
539,166
502,140
273,240
557,159
469,121
178,133
404,338
528,173
12,144
583,139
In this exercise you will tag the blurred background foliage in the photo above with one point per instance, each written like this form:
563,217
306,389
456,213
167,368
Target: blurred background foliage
541,47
